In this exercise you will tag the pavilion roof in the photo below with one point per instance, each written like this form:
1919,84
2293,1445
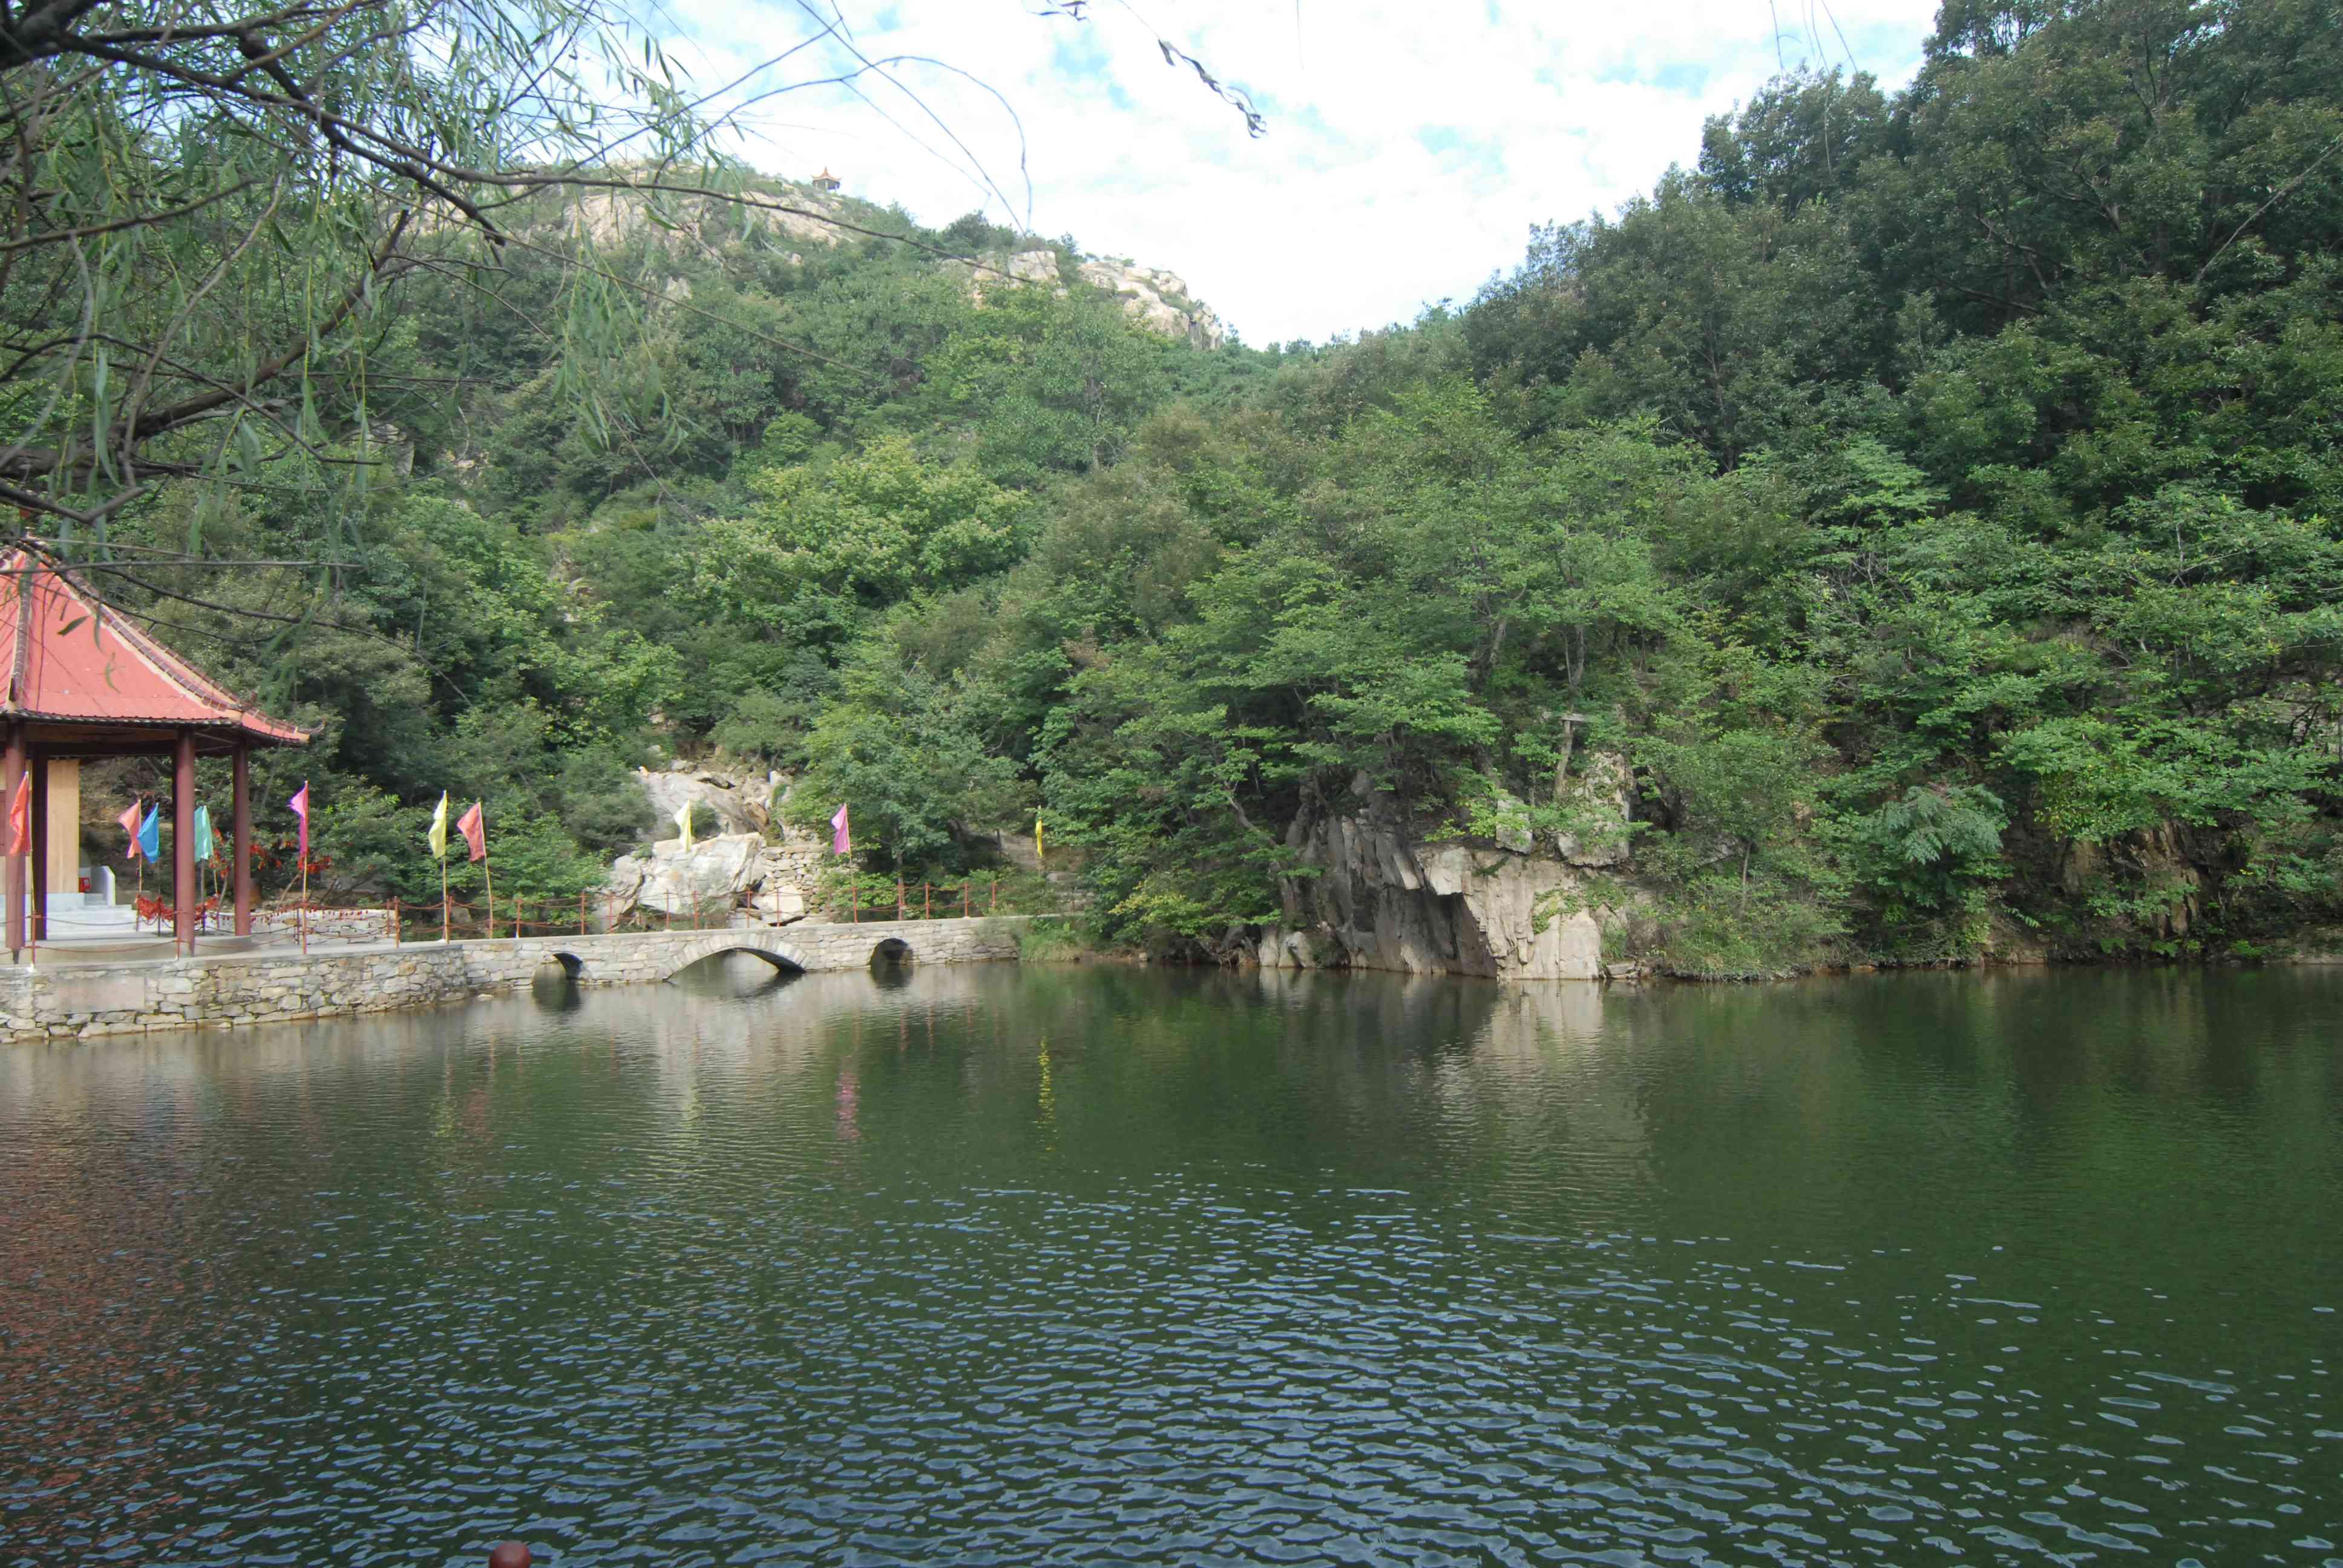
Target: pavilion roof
71,659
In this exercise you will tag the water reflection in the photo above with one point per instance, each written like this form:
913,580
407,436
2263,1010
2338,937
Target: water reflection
738,974
554,988
892,963
1097,1264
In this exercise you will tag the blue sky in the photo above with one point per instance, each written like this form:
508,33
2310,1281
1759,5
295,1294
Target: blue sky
1412,143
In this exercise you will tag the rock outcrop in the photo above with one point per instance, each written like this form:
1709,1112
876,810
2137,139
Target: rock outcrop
668,880
756,869
709,224
1156,299
796,217
743,803
1381,899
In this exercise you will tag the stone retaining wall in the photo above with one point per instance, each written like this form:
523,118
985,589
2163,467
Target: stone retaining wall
81,1001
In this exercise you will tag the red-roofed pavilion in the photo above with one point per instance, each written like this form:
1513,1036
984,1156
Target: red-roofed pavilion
84,682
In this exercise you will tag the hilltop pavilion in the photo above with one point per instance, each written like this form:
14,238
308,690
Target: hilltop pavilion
84,681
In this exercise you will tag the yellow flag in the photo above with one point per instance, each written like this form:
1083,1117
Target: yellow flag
683,821
1037,835
438,838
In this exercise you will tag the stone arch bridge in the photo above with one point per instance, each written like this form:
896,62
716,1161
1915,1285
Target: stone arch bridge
65,1001
607,960
640,957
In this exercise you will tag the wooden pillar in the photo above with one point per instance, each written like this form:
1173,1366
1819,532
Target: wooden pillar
183,842
242,855
40,764
61,778
12,769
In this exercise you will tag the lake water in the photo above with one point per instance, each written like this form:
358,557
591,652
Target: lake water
1097,1265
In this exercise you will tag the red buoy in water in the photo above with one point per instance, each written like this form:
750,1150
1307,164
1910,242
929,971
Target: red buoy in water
509,1554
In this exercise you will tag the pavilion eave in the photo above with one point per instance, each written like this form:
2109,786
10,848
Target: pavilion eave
68,737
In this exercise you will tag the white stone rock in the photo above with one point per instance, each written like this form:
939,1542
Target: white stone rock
1446,870
667,791
1034,266
1143,293
711,874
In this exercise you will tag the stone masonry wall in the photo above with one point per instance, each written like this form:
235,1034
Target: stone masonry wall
83,1001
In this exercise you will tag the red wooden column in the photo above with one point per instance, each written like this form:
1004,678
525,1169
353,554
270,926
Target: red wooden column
183,842
12,769
39,763
243,839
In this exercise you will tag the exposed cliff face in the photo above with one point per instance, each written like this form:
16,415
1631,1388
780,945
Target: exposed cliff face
1383,900
1156,299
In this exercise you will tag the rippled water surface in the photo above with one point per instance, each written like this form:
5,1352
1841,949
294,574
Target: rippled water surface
1099,1265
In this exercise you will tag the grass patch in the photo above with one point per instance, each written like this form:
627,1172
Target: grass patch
1056,940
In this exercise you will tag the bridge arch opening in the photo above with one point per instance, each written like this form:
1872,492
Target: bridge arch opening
736,967
554,986
892,963
781,963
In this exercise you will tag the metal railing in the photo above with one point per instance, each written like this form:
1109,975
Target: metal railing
857,910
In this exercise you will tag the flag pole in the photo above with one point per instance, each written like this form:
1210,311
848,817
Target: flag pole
488,874
443,900
301,914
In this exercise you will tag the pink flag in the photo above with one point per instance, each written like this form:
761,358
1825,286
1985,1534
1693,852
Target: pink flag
841,843
129,820
474,825
300,804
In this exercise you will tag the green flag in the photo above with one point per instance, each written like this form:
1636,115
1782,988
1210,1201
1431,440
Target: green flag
203,833
438,837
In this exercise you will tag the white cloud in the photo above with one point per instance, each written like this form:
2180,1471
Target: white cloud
1411,146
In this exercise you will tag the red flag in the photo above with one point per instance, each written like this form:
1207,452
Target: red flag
130,821
20,816
475,828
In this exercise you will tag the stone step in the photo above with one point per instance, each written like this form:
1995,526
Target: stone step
70,915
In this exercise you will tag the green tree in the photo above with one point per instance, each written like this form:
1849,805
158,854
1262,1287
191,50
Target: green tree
902,748
825,549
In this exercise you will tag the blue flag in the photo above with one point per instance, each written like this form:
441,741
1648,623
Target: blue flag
150,836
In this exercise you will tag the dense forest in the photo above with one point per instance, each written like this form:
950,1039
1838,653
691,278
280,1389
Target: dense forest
1935,498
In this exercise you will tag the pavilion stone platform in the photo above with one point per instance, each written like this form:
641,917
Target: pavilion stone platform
67,1000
